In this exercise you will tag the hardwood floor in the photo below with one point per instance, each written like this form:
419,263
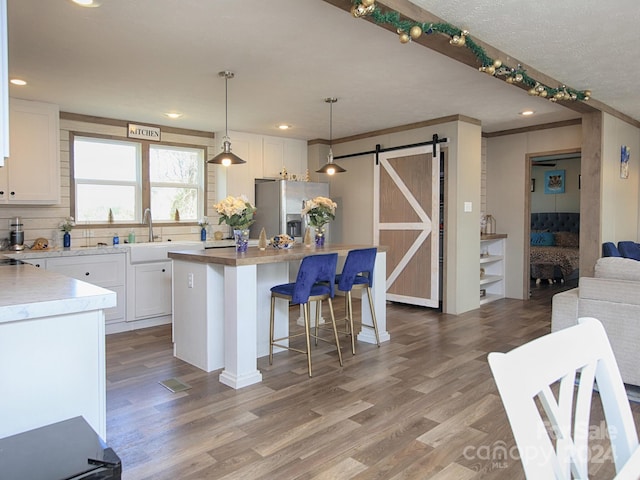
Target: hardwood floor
422,406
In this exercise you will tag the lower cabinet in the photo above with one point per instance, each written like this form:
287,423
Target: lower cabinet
108,271
150,292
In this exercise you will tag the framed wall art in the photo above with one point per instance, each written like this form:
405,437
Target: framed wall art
554,181
625,153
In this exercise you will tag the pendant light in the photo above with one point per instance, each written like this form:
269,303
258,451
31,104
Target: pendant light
226,158
330,168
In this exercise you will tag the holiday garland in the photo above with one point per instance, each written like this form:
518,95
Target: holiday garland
408,29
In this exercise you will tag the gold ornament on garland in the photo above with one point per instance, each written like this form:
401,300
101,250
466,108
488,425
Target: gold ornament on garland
461,38
415,32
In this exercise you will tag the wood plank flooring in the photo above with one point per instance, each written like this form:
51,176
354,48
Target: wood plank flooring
422,406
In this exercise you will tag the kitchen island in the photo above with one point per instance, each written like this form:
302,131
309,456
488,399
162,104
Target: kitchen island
222,304
52,349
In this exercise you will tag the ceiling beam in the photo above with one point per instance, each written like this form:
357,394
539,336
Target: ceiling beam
440,44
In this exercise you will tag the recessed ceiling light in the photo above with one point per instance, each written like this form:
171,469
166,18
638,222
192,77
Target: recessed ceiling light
173,115
284,126
17,81
527,113
86,3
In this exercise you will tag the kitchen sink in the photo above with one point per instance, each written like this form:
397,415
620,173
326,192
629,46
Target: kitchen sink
157,251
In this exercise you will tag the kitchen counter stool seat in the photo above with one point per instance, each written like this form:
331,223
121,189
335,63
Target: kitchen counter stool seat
357,274
314,283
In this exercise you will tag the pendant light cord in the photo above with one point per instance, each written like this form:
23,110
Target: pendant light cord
330,124
226,107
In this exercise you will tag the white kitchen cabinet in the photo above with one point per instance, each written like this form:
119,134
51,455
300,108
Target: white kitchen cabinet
31,174
284,152
108,271
492,269
4,81
238,179
150,285
265,157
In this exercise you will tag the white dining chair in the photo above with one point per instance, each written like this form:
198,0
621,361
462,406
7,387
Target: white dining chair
552,429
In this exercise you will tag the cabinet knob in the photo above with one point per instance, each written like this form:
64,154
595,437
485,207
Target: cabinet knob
163,270
1,192
86,273
37,264
12,193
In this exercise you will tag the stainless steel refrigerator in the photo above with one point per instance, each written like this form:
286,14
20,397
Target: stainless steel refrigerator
280,203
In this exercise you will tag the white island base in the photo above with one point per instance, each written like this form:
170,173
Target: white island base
222,304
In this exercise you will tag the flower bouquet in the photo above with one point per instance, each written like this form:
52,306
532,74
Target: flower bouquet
237,212
319,210
66,226
203,223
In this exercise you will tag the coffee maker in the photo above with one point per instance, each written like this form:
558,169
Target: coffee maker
16,234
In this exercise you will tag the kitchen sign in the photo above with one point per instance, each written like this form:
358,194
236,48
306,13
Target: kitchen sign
143,132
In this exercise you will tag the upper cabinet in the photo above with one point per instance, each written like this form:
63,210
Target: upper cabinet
279,153
265,157
31,174
4,81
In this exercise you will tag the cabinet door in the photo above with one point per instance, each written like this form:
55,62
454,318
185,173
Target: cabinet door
295,157
239,179
33,167
284,152
4,81
272,156
106,271
152,286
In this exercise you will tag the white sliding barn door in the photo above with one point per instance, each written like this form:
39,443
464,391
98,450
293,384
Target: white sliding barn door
406,219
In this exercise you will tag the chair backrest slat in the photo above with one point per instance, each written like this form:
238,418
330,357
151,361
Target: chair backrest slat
555,445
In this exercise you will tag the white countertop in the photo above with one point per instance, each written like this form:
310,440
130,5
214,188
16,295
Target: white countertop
110,249
29,292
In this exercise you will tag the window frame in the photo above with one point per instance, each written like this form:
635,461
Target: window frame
144,190
200,187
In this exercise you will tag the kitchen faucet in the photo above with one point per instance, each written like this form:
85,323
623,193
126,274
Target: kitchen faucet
147,217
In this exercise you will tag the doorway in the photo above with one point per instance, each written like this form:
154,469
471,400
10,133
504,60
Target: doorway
551,253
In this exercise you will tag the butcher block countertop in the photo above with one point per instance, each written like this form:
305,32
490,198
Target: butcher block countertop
255,256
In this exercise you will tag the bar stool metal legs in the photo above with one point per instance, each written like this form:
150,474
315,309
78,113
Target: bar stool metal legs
315,283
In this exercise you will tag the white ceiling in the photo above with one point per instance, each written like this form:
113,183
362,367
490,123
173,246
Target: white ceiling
135,60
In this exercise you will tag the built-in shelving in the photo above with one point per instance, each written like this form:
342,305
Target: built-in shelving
492,260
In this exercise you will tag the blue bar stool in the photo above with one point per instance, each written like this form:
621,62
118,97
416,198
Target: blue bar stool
357,274
315,283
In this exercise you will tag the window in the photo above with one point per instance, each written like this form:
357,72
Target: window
175,175
108,175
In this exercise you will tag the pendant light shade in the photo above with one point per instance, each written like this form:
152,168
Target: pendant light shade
226,158
330,168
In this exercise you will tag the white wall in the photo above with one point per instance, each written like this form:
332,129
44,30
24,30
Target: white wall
507,189
620,197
